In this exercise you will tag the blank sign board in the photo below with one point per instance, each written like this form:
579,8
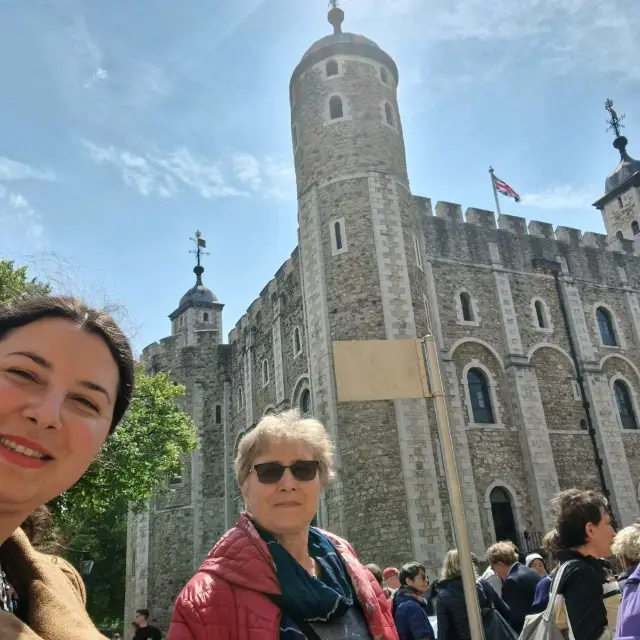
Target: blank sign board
368,370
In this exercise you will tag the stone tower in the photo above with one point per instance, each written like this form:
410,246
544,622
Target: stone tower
362,268
620,205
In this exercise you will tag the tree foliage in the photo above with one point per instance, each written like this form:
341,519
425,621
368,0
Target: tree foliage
90,519
15,284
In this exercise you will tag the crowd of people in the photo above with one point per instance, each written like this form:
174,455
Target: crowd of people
66,380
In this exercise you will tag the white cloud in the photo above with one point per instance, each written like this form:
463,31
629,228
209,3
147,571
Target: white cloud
269,177
560,197
18,220
165,174
99,75
564,35
13,170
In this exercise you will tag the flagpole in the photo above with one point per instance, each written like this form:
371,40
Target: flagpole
495,191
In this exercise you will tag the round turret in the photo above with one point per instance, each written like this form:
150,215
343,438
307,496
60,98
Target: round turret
344,110
627,167
198,293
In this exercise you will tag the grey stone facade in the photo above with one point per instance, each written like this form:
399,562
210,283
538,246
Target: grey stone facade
376,262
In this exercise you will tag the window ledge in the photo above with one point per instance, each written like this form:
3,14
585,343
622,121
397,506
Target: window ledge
469,323
486,425
543,329
336,120
611,346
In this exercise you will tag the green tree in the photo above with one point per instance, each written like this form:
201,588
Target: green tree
14,283
134,464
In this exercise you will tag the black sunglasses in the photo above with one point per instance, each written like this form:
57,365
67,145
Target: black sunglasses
301,470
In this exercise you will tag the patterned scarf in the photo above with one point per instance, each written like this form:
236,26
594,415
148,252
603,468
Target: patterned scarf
313,599
8,598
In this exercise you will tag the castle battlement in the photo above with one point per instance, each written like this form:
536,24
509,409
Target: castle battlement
271,293
451,214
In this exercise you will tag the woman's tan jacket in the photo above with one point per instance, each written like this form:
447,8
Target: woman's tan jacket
54,593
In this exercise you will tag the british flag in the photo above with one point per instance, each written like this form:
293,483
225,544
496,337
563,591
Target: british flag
505,189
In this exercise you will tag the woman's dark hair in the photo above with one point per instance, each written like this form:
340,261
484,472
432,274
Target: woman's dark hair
573,510
410,571
94,321
376,571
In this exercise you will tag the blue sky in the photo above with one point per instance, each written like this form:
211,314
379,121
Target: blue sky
127,126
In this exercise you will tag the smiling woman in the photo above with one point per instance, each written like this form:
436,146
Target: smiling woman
66,380
291,579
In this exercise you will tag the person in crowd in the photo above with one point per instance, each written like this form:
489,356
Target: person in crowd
536,562
66,380
145,631
409,606
494,580
583,534
626,547
453,621
543,587
273,576
133,629
377,574
391,578
518,582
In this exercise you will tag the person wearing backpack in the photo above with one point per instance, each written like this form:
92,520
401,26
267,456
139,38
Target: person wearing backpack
583,536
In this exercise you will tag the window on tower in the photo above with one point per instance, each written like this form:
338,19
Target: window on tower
297,342
619,235
480,397
332,68
338,231
338,237
336,109
205,317
625,405
606,328
635,228
465,305
389,114
384,75
218,414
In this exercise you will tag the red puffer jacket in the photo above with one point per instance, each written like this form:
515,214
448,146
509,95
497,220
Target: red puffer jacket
225,601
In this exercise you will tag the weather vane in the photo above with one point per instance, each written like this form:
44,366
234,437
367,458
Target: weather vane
615,122
333,4
201,244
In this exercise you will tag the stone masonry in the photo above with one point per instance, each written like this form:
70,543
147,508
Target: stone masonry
516,312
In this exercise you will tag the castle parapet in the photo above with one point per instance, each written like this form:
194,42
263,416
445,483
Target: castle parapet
449,211
569,235
423,205
541,230
481,218
514,224
595,240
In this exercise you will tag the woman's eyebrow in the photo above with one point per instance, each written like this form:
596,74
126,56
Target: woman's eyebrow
35,357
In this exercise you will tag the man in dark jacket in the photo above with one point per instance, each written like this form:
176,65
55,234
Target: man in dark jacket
409,607
518,582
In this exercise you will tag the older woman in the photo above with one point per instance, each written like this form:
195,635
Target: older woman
273,576
626,547
66,379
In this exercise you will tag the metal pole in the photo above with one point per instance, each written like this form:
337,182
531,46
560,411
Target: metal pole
495,191
453,486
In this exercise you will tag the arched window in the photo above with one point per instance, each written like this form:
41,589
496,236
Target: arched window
205,317
297,342
465,305
635,228
305,402
175,479
335,108
332,68
389,114
218,414
480,397
240,398
337,228
384,75
504,521
265,372
625,405
605,325
540,315
619,235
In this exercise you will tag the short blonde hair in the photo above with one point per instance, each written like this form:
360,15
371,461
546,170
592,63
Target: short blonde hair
505,552
626,545
451,565
288,427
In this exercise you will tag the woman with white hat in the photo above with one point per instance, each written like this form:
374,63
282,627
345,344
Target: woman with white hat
536,562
